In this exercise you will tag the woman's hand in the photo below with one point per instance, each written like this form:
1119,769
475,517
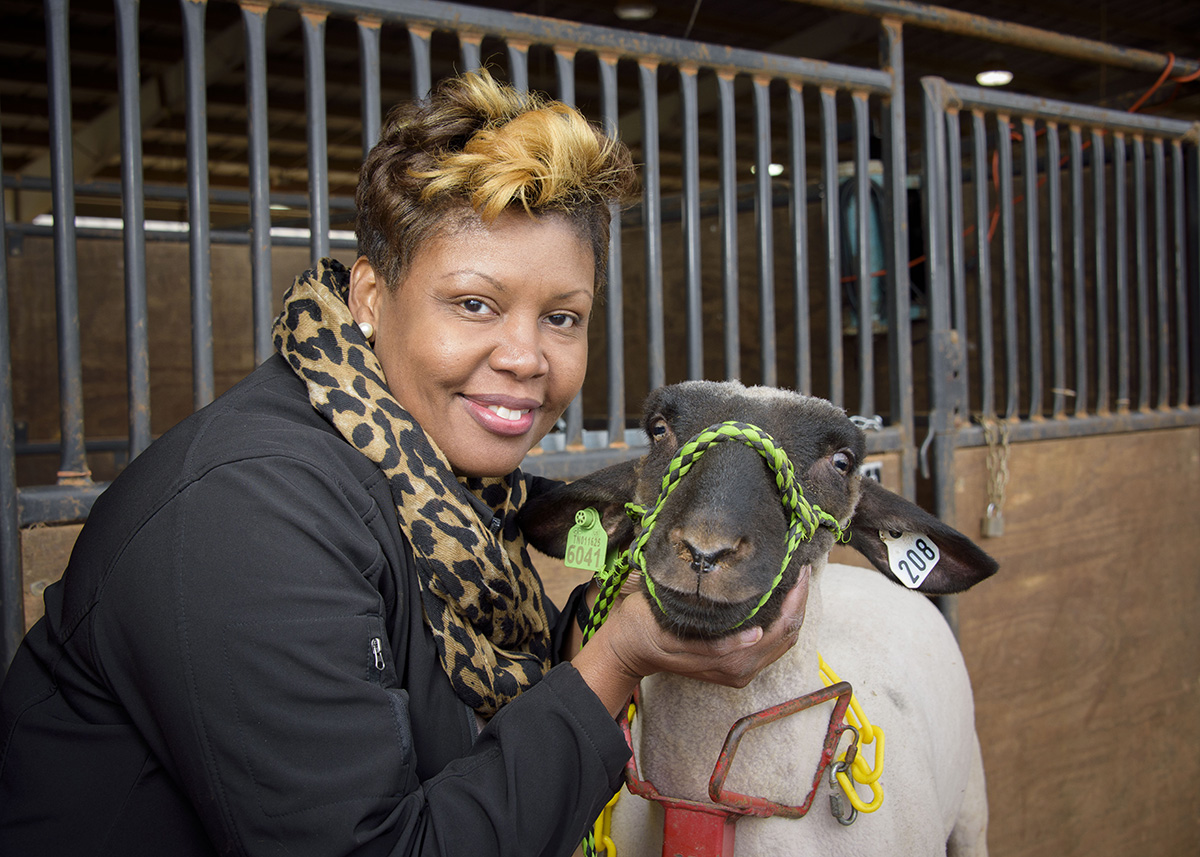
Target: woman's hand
631,645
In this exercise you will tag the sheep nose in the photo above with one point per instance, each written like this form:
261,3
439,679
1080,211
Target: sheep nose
702,561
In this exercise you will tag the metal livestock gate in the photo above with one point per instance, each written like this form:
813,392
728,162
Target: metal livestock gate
1056,295
801,96
1067,273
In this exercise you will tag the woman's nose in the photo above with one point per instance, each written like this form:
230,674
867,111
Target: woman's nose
519,351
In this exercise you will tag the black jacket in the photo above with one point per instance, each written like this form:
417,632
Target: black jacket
235,662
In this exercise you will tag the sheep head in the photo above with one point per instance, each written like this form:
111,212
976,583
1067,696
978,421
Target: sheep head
720,537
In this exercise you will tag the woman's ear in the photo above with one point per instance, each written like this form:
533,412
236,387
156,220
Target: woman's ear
364,292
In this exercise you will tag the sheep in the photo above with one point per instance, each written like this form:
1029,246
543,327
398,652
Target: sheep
715,548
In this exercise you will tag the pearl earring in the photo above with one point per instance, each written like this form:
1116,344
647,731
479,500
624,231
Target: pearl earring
368,330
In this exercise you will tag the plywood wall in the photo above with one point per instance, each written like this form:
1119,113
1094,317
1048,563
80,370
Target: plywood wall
1084,649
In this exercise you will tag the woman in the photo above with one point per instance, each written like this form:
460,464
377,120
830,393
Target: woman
304,620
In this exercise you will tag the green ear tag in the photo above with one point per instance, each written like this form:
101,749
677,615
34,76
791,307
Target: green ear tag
587,542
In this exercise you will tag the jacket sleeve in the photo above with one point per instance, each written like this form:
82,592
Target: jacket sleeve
243,628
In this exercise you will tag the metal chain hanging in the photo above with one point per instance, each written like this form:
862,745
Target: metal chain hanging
996,433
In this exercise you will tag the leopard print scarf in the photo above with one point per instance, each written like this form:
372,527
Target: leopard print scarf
482,599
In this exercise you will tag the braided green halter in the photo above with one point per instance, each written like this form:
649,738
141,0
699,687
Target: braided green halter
804,516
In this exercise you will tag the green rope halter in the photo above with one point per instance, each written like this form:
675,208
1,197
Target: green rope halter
804,516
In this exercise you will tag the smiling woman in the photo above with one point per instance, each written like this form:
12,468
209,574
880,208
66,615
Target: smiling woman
485,340
305,619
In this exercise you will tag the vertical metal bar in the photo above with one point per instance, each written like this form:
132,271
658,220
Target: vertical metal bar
983,248
1122,239
254,18
564,70
866,280
1100,222
133,212
1142,260
1079,275
652,224
833,255
614,306
1163,334
899,287
1192,285
1182,331
946,381
1033,267
368,75
1008,251
729,226
318,145
469,45
1193,277
422,74
691,222
958,264
1058,344
518,65
199,237
799,203
564,66
936,207
765,230
12,588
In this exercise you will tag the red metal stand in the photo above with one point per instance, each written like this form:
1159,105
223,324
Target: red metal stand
691,832
696,829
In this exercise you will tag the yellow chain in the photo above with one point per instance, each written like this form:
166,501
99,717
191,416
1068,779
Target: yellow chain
603,827
867,733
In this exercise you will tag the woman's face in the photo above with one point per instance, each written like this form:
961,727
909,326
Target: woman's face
484,341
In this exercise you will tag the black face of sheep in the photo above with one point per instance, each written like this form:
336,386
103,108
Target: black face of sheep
720,537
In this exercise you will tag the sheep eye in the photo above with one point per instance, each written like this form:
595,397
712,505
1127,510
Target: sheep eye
843,461
657,429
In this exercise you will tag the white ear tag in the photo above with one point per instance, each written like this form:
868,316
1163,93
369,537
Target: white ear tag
911,556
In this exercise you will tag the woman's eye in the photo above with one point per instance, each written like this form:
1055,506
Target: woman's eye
843,461
474,306
562,320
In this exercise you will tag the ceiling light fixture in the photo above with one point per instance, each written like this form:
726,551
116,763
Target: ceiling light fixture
635,11
994,77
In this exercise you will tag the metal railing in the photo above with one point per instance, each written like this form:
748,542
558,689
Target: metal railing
1064,252
657,61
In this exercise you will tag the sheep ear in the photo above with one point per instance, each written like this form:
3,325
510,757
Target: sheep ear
548,517
961,564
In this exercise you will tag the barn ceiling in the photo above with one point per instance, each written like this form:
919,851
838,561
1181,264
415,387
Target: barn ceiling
786,27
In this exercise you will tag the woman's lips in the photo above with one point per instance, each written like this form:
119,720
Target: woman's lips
501,415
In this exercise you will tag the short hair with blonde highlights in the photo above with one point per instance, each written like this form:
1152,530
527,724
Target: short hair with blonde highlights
481,147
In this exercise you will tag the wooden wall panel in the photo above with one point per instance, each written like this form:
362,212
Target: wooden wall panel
44,554
1084,649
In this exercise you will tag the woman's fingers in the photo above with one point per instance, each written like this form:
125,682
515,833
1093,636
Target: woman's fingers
733,660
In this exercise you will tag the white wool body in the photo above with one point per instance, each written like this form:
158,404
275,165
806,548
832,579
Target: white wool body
895,649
